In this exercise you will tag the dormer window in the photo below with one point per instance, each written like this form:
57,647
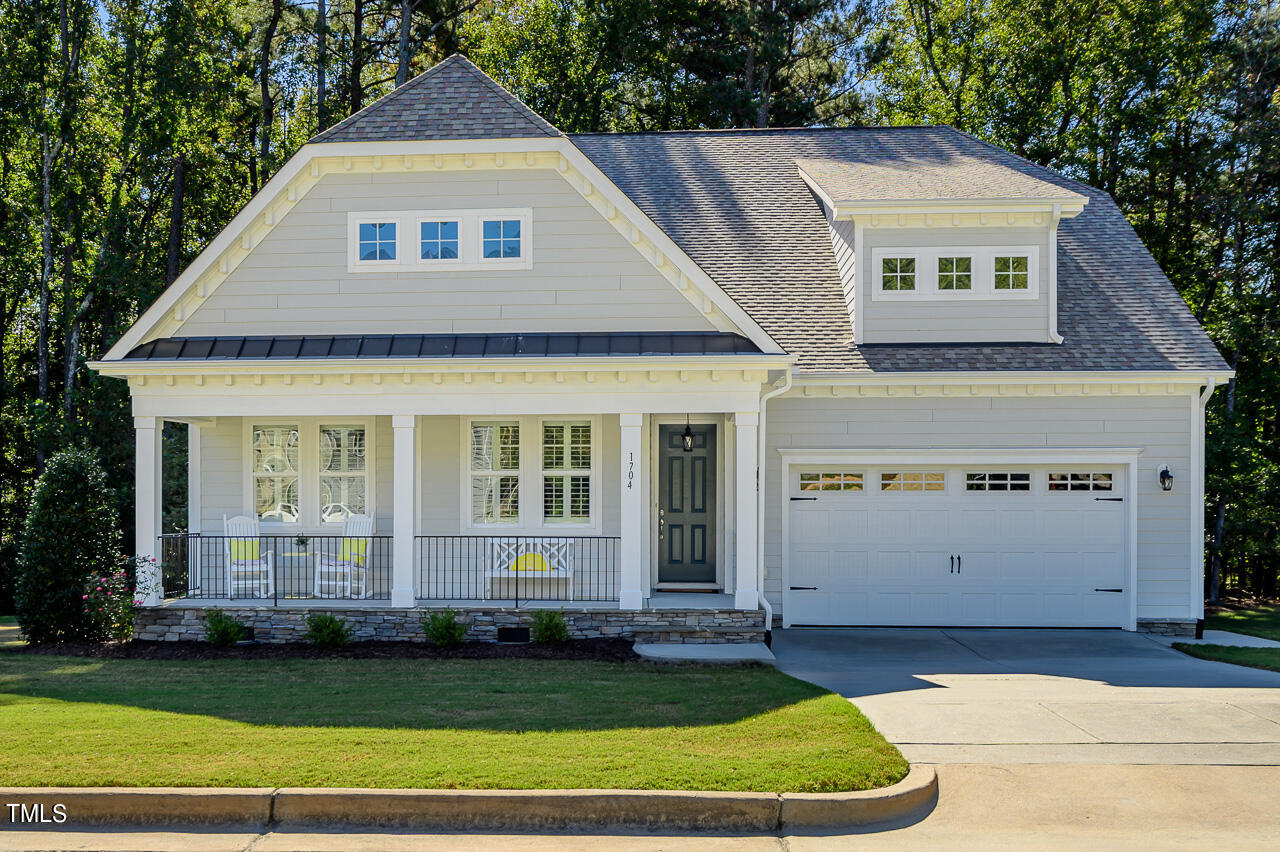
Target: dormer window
501,239
426,241
975,273
439,239
377,241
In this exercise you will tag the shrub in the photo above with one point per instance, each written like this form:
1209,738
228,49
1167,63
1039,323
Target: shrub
549,626
70,536
111,600
443,629
327,630
223,630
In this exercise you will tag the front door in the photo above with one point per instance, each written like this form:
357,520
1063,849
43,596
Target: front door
686,506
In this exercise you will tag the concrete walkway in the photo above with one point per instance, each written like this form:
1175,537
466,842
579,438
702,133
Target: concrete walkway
1043,696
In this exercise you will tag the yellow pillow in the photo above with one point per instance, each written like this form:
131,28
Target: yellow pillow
530,562
353,550
244,550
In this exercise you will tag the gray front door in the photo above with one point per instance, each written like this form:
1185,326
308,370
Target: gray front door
686,506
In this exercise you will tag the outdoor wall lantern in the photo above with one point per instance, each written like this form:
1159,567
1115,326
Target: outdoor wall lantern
1166,479
686,440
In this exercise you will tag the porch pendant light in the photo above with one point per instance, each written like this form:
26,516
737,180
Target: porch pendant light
686,440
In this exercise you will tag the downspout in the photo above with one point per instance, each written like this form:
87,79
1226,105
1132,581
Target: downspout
760,463
1054,336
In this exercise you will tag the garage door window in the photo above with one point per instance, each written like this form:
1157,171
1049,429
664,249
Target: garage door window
830,482
913,481
997,481
1079,482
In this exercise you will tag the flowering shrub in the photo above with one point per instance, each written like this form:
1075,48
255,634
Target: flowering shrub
110,600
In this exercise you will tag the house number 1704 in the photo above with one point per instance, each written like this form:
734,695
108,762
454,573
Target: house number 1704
631,469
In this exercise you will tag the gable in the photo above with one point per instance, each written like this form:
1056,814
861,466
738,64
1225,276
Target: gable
584,276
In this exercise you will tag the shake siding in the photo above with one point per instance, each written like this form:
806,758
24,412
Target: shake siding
1162,425
585,275
952,319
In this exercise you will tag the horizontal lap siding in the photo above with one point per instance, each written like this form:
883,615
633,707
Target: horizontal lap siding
1162,425
221,473
585,275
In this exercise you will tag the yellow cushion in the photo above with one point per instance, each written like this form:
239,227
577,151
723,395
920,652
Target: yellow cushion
244,550
353,550
530,562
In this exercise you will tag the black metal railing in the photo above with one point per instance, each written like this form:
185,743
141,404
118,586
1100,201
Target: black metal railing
511,569
275,568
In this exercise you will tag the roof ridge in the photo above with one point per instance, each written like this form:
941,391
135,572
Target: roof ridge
528,113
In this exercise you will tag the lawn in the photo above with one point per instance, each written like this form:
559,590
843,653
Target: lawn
1263,622
1258,658
516,724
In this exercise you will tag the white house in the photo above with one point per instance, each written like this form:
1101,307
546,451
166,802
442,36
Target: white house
855,376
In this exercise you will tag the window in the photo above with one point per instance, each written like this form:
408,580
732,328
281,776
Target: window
1079,482
913,481
274,465
343,472
1011,272
830,482
898,273
997,481
501,238
495,473
377,241
566,472
955,273
439,240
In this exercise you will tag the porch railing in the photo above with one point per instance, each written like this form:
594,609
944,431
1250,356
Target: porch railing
515,569
276,568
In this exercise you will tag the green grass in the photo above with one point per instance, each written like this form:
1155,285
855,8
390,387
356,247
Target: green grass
519,724
1258,658
8,619
1263,621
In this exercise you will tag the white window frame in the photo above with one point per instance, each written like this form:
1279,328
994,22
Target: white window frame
309,468
982,275
409,243
530,477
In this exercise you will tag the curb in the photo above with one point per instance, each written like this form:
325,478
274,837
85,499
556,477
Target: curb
483,809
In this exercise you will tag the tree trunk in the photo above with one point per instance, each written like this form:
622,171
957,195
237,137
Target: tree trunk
264,79
402,50
356,93
48,154
175,219
322,61
73,356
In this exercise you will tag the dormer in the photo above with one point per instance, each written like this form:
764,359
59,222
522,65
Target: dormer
943,246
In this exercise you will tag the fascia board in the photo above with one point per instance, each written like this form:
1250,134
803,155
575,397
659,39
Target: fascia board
1042,377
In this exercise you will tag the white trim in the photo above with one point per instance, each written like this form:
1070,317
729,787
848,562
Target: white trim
858,319
631,502
195,480
305,169
1197,487
404,512
982,276
308,466
1116,456
1054,219
529,475
408,242
1012,377
148,436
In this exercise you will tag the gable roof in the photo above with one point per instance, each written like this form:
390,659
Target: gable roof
451,100
946,171
736,203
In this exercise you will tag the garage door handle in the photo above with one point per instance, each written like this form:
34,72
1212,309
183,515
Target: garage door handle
1109,499
953,563
1108,590
959,563
794,499
804,588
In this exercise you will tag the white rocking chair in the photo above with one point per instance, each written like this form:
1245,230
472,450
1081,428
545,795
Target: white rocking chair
250,571
345,574
529,559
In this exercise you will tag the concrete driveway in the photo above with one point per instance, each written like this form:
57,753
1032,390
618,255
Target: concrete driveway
1042,696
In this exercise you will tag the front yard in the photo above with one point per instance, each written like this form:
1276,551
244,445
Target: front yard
1263,622
517,724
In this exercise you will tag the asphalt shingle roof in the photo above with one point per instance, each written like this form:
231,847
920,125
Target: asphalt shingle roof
451,100
735,202
947,171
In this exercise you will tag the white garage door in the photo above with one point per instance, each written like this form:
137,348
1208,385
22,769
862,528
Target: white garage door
1008,546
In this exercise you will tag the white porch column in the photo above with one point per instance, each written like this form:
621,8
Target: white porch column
147,434
404,509
634,585
746,591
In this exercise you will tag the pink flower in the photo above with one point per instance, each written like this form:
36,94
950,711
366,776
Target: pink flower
84,597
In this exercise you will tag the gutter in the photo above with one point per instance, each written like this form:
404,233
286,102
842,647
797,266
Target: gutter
760,463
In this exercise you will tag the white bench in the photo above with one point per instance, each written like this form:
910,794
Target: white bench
525,558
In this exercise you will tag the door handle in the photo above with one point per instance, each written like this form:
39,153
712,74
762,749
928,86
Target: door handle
1108,590
804,588
959,563
953,563
662,525
1108,499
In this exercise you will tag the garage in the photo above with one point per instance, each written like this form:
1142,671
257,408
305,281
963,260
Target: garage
1012,544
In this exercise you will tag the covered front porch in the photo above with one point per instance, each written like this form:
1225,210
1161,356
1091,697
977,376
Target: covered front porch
632,488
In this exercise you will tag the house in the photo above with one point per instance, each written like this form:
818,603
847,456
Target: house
684,385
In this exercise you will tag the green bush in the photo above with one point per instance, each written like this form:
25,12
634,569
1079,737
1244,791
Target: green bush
549,626
443,629
327,630
223,630
70,536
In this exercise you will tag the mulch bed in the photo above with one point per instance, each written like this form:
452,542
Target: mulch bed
604,650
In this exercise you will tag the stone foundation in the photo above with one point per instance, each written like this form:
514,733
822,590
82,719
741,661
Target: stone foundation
288,624
1168,626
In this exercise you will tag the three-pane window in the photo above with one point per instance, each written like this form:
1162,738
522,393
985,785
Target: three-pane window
377,241
439,240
